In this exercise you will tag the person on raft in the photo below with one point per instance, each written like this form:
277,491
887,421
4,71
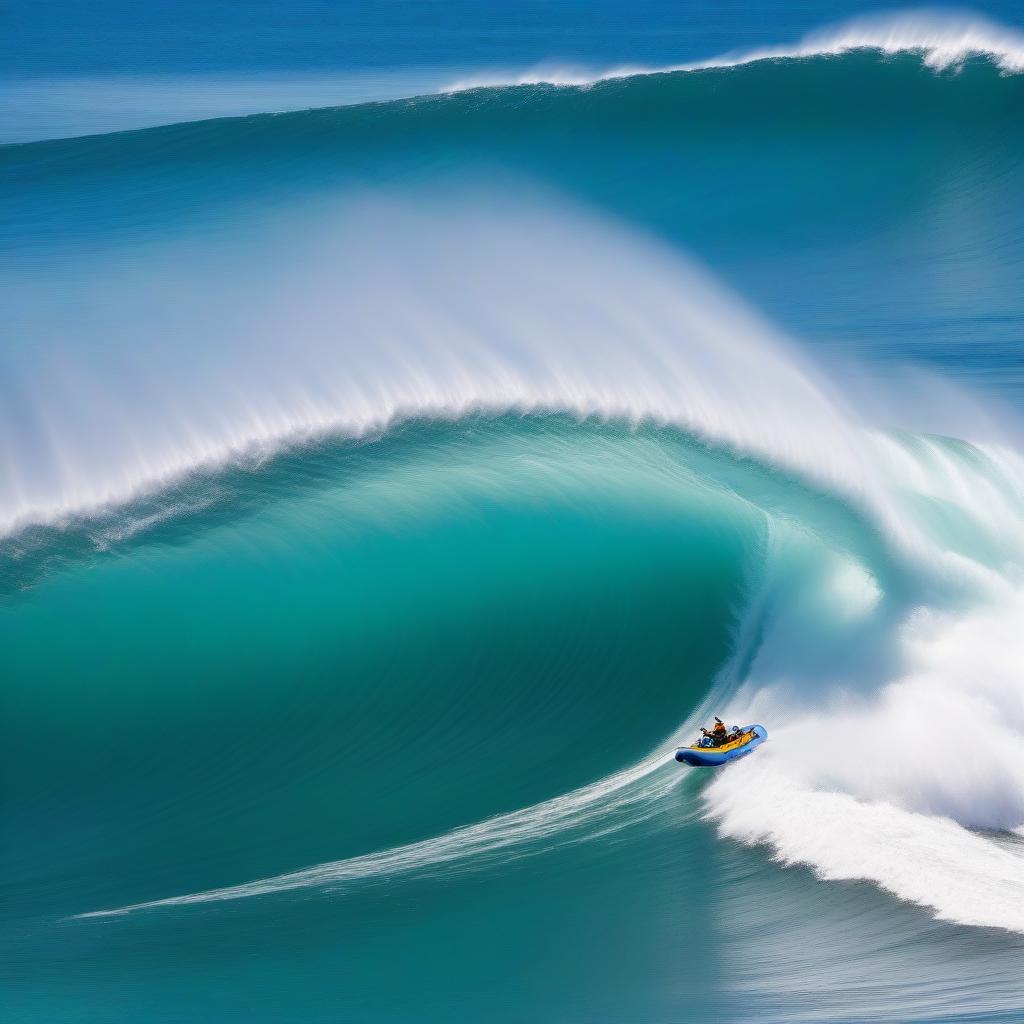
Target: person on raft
719,734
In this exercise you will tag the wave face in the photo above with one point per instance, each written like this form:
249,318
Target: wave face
386,490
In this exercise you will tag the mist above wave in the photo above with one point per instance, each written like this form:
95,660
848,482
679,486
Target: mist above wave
346,317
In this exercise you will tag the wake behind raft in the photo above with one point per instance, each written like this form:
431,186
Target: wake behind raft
705,753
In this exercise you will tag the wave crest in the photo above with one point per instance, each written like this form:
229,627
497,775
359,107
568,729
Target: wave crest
943,39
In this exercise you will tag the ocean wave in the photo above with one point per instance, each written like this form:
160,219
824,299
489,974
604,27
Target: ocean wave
616,327
868,774
344,318
67,108
867,691
332,335
943,39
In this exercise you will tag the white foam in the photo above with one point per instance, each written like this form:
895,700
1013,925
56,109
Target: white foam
931,861
886,786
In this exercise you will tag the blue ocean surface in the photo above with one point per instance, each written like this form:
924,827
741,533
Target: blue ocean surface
417,420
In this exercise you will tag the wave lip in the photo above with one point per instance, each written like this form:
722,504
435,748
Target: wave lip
943,39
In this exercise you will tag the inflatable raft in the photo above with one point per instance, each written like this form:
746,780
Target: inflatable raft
704,754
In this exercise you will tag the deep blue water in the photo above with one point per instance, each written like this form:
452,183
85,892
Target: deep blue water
118,37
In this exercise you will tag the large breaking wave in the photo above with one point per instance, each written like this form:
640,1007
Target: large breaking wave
280,315
871,654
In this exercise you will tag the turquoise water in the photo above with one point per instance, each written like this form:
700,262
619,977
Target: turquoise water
387,489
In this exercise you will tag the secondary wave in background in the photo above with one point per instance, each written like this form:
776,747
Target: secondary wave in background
66,103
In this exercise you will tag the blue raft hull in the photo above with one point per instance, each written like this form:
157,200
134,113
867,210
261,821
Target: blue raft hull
709,757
